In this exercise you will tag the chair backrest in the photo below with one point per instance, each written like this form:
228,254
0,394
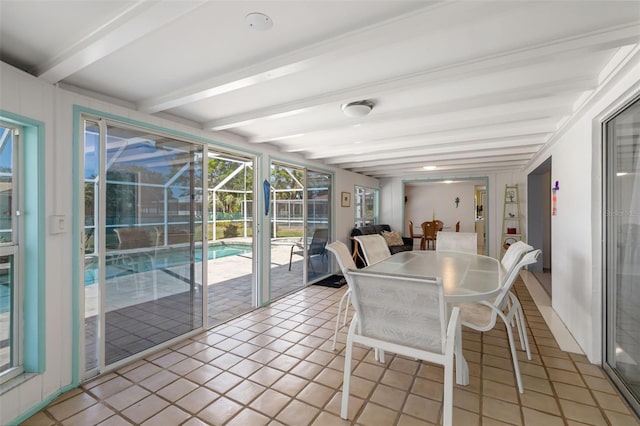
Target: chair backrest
439,225
528,259
514,254
411,234
428,230
318,241
465,242
341,251
374,248
458,226
405,311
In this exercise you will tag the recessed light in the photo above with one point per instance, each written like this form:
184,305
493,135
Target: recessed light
430,167
621,174
258,21
447,181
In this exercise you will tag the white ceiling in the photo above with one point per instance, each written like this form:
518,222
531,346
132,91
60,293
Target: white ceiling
469,87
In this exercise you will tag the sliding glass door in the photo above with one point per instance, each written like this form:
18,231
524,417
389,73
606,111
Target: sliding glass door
231,279
622,251
301,206
143,241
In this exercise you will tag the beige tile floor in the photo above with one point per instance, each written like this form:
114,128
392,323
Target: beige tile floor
275,366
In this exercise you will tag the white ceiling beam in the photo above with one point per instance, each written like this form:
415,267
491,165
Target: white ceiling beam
536,129
473,169
136,21
427,153
409,163
499,106
521,57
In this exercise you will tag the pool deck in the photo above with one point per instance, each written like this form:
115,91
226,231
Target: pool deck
142,300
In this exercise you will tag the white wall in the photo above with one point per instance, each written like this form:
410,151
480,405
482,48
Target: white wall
426,200
25,95
576,229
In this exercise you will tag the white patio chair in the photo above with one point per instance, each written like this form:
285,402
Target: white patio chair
341,251
514,254
509,261
405,316
482,316
373,247
465,242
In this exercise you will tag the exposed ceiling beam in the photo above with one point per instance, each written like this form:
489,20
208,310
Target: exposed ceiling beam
480,168
451,161
136,21
499,106
521,57
427,153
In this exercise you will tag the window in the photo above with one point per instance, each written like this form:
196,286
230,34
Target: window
10,288
366,203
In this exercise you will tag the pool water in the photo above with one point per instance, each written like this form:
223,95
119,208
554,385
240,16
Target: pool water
163,259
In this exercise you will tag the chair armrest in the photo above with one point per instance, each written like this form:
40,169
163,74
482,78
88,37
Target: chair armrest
408,241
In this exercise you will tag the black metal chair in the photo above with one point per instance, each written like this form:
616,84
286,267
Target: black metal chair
317,246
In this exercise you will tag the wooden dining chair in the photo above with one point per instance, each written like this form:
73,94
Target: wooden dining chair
405,316
439,225
428,235
458,226
412,235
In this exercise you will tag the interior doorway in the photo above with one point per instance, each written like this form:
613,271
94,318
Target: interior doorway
539,221
462,201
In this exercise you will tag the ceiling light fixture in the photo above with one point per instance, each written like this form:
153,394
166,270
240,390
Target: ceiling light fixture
429,167
357,108
258,21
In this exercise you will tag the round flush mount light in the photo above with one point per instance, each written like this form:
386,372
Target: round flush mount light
258,21
357,108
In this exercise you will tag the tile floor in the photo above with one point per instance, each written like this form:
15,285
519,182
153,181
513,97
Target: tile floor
275,366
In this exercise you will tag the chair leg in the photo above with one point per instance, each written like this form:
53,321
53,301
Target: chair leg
346,308
447,400
290,257
346,382
335,334
514,355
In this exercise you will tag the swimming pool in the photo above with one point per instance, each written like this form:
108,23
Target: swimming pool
163,258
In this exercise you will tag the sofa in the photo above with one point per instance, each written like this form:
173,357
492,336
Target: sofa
377,229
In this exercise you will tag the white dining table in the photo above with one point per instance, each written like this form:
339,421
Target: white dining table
465,277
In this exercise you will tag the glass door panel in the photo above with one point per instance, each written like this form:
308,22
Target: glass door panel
143,241
622,224
231,280
318,201
287,229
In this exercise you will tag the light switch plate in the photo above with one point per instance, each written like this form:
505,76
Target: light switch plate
57,224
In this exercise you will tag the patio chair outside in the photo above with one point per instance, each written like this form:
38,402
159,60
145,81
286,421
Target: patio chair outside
317,246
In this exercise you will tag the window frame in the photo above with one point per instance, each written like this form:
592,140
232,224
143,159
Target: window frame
361,194
14,248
